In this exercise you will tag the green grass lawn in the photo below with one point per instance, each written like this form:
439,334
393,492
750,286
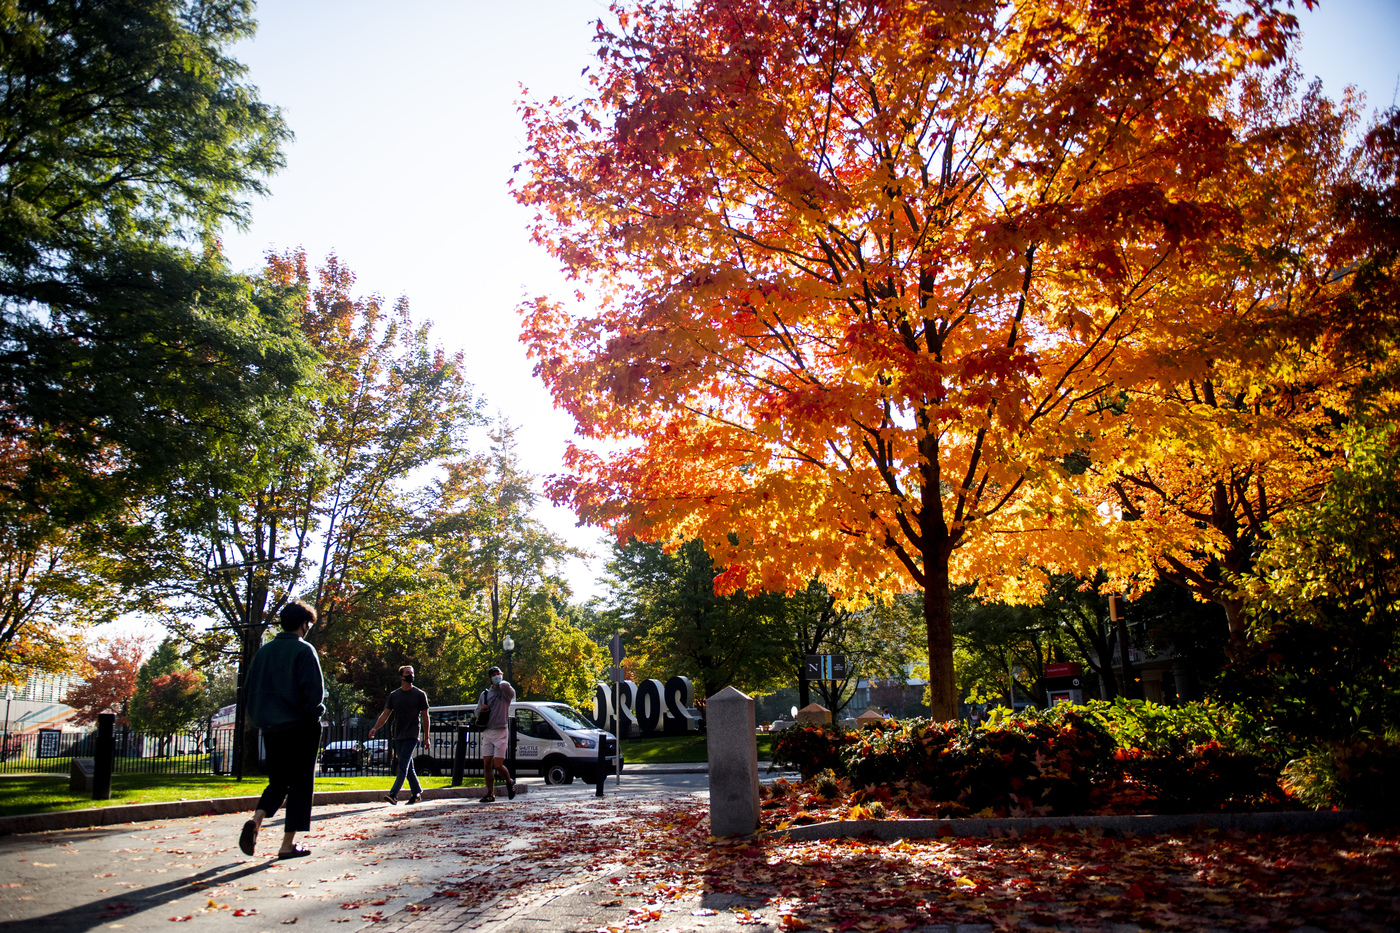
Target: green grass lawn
47,793
678,749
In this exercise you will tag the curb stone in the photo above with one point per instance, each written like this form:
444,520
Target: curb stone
177,809
1308,821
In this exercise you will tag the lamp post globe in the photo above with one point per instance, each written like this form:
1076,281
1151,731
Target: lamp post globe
508,644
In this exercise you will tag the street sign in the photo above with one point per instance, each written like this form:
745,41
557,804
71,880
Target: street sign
826,666
1062,669
615,645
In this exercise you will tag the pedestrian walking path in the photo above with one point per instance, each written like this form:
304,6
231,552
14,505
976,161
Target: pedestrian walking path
638,859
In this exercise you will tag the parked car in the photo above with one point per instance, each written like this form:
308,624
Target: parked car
376,751
553,740
341,756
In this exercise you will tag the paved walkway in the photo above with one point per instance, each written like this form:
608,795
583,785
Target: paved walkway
527,864
562,859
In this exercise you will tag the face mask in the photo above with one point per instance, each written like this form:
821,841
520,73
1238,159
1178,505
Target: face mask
496,679
407,677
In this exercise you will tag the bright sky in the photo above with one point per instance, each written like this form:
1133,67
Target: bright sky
407,133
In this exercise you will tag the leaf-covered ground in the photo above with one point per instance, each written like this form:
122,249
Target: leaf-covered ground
561,859
1206,880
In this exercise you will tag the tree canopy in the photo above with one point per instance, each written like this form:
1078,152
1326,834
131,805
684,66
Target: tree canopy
127,348
869,278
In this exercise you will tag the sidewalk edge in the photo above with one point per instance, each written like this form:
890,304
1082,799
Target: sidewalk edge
177,809
1308,821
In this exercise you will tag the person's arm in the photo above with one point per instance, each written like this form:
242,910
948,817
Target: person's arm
379,722
311,683
424,714
507,691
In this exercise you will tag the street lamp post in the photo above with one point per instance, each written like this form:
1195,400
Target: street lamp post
508,644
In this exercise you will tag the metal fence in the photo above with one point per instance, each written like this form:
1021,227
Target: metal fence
50,751
345,750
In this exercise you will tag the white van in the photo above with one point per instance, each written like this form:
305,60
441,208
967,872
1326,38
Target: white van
552,739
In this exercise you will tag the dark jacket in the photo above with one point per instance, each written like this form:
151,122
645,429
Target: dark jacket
285,687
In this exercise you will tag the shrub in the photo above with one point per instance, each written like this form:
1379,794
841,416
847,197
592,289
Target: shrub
810,748
1122,757
1196,758
827,785
1205,778
1164,729
1039,762
1358,774
1034,762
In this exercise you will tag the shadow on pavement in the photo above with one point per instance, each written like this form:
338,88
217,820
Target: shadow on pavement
92,915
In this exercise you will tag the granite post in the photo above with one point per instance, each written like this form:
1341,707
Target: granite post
733,750
104,756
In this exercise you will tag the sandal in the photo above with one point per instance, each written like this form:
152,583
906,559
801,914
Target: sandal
297,852
489,798
248,838
510,790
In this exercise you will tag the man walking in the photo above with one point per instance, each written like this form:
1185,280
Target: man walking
409,707
495,737
286,697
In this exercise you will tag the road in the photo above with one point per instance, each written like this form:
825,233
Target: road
369,862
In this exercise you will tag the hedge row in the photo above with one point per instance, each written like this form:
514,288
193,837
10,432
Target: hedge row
1067,760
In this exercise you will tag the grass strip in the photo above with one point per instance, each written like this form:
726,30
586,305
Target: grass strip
680,749
47,793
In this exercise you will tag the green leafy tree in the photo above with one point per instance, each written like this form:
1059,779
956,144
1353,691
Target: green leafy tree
879,639
497,572
127,349
338,513
498,555
173,702
169,697
55,583
675,623
164,660
1323,665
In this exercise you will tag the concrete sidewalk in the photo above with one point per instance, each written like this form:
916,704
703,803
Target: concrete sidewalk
555,859
116,814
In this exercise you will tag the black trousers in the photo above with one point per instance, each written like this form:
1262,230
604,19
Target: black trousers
291,774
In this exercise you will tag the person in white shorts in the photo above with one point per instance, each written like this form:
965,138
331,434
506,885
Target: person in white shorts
495,737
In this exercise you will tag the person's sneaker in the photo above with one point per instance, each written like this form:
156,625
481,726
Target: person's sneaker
415,798
510,790
488,799
390,798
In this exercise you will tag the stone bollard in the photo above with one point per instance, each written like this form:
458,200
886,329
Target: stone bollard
104,756
733,749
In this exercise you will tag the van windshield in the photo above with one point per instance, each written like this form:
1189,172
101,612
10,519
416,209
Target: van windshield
566,717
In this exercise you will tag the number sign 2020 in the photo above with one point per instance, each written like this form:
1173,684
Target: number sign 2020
649,709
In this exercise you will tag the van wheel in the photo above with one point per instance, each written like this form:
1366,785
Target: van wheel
426,764
556,771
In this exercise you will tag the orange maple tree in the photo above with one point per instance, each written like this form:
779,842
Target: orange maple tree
1204,465
110,681
867,277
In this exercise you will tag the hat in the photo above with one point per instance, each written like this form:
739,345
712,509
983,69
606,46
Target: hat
494,670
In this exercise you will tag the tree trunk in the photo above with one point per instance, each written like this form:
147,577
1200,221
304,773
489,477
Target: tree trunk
938,622
1131,688
1239,627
